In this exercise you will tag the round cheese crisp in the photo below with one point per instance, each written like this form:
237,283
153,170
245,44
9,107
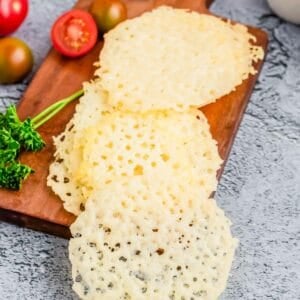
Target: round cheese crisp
166,146
173,59
135,242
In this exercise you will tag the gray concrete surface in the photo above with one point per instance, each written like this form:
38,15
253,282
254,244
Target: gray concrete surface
260,189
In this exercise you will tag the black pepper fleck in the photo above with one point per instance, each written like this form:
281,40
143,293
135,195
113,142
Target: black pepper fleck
122,258
107,229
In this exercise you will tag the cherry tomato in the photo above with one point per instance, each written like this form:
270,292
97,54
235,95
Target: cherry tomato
16,60
12,15
74,33
108,13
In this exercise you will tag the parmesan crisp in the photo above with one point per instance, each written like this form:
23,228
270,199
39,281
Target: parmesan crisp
136,242
137,163
173,59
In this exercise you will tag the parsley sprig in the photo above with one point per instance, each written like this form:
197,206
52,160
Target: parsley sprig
17,136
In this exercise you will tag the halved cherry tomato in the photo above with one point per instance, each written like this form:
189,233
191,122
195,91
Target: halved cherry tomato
74,33
16,60
12,14
108,13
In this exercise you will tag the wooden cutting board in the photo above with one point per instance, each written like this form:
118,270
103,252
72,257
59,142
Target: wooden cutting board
36,206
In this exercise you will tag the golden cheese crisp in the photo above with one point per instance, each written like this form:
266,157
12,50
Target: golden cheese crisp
137,163
136,242
100,146
166,146
173,59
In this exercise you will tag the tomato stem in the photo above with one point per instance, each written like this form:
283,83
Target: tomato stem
53,109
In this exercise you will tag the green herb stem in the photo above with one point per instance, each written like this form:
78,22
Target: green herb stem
53,109
16,135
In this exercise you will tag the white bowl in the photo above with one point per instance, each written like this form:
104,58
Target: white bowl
286,9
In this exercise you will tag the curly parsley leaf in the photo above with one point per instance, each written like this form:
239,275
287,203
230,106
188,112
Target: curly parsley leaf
29,138
12,175
2,120
11,121
22,132
9,148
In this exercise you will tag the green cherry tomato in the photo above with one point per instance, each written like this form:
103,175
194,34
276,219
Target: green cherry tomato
108,13
16,60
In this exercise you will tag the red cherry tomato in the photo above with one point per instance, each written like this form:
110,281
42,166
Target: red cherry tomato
74,33
12,14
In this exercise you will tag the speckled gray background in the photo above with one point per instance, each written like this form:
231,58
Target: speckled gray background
260,188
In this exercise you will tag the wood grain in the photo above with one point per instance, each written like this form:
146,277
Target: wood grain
36,206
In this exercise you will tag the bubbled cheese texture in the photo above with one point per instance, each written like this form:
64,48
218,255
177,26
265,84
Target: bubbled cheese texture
130,244
166,146
69,146
137,162
173,59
